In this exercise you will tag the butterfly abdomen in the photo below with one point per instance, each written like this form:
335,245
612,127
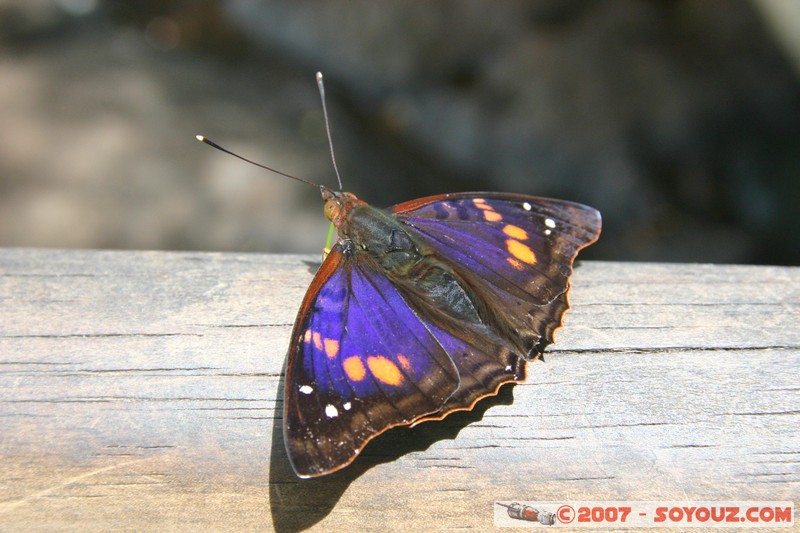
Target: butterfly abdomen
436,283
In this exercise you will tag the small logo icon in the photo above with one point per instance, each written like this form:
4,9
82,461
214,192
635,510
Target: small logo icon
529,514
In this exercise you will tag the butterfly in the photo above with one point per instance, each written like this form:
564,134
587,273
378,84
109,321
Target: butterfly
421,310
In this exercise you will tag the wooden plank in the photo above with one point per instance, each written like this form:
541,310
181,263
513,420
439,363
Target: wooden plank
138,391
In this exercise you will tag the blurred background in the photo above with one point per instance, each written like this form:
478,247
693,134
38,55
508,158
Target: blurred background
679,120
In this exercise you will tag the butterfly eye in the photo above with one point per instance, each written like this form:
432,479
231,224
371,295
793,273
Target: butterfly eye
332,209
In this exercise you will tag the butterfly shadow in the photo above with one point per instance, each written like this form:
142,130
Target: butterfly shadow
313,266
297,504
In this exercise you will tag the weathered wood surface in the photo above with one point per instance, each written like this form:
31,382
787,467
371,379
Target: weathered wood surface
140,391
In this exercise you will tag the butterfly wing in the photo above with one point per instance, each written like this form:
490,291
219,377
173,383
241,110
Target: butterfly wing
360,362
484,360
515,252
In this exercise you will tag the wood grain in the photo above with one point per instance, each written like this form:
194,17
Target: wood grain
141,391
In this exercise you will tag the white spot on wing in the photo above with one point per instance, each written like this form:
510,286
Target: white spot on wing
548,231
347,406
306,389
526,206
550,223
331,411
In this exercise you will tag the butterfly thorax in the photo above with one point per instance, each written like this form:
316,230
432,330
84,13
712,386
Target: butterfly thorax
368,231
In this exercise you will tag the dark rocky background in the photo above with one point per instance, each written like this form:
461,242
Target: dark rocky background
679,120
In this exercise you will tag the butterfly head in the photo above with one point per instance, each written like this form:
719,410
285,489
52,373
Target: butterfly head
338,205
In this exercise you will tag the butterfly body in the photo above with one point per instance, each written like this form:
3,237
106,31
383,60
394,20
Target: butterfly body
381,239
422,310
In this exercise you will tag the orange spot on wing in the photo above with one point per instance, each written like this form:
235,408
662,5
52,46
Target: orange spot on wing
514,263
488,211
516,232
354,368
307,336
331,347
492,216
404,362
520,251
317,338
384,370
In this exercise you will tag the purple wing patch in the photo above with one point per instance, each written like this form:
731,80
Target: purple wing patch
361,362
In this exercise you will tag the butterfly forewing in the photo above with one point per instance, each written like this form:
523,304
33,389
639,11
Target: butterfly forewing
360,362
516,250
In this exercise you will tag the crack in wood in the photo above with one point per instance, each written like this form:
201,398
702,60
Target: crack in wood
96,335
761,413
674,349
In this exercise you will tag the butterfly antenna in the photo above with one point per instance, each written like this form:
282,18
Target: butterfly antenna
212,144
321,87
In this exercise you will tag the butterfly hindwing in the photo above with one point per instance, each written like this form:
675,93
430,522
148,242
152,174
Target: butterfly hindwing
360,362
484,361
